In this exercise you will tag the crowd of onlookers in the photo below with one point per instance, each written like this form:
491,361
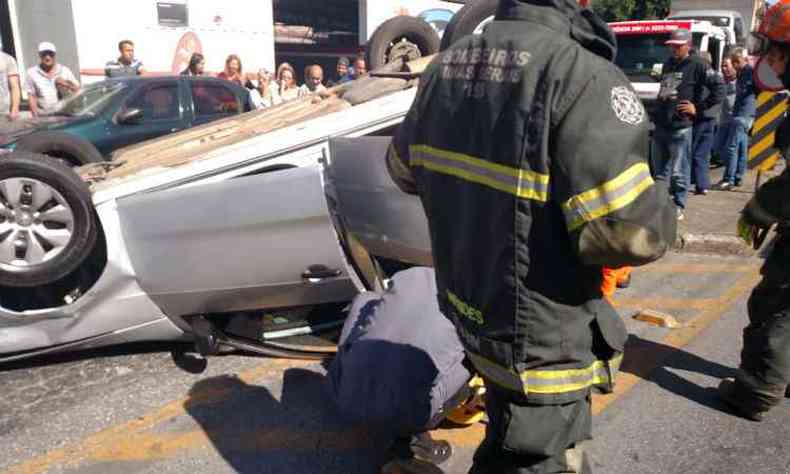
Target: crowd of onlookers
721,138
49,82
702,114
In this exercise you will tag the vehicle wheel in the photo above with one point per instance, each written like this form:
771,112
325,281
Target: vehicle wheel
471,19
401,37
47,222
72,150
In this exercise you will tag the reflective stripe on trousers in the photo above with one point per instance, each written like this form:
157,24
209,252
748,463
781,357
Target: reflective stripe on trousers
549,381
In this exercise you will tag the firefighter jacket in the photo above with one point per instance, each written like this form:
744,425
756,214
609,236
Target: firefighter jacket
527,148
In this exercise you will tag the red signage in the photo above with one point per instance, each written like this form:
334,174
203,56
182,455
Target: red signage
648,27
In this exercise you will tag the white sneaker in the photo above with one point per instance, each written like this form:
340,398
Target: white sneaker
681,215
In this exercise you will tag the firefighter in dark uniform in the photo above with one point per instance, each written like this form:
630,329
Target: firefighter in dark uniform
764,374
527,147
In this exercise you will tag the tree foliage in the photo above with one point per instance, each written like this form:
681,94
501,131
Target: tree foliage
621,10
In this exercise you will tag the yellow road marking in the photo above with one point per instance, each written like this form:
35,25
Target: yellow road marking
133,441
637,368
637,364
88,447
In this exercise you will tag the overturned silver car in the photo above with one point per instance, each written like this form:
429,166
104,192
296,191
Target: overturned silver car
254,222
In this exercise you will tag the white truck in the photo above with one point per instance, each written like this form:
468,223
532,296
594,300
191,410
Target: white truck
730,21
736,16
642,51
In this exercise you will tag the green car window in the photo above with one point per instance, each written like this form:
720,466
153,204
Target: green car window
90,100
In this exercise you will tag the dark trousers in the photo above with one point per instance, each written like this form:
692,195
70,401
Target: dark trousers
702,144
533,439
765,358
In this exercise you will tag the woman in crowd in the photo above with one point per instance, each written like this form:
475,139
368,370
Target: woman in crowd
265,93
233,71
286,79
197,66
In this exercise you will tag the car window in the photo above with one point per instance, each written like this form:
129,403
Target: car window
214,99
158,102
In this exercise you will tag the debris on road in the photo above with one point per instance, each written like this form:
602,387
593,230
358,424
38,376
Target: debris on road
658,318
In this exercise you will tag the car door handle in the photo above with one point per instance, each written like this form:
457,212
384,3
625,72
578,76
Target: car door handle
173,130
316,273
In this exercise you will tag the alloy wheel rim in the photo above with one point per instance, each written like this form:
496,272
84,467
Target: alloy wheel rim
36,222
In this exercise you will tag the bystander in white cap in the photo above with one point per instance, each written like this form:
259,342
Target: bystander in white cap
46,46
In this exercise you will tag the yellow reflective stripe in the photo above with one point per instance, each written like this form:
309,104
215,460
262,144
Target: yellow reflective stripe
572,380
495,167
608,197
560,381
524,184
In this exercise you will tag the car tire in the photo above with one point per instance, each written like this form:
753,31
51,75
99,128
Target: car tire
402,36
470,19
63,146
48,226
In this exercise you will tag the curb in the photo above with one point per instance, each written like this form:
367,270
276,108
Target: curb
716,244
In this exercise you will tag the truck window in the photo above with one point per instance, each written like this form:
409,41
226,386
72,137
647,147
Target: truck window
740,31
214,99
636,54
158,102
715,49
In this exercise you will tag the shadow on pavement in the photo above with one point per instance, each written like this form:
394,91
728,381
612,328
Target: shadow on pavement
254,432
650,360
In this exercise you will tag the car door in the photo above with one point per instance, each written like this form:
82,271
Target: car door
253,242
213,100
162,113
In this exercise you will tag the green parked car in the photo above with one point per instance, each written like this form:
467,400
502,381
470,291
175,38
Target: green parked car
112,114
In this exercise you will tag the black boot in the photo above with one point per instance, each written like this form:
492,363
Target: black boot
787,391
737,397
417,454
422,447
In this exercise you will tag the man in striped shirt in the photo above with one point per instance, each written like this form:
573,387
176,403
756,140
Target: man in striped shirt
126,64
49,82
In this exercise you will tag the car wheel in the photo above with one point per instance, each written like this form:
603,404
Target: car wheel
401,37
72,150
48,225
473,18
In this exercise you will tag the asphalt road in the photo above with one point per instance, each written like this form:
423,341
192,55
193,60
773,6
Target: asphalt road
130,410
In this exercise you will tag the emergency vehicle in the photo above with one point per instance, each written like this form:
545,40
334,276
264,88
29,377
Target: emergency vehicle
641,50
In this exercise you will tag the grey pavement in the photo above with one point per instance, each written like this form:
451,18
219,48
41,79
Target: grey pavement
131,411
710,221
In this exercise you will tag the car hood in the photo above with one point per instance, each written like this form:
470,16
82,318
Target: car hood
13,131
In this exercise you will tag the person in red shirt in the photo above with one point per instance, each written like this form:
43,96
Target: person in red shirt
233,71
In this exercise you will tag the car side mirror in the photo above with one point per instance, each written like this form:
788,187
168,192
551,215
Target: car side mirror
130,116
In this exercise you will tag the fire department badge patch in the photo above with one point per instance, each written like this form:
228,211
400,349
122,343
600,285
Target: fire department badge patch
627,106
